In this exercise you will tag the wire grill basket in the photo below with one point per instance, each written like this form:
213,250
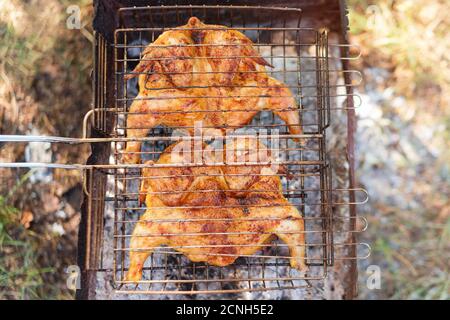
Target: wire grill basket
301,58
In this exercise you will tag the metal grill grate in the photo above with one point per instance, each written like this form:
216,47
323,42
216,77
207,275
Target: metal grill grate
300,59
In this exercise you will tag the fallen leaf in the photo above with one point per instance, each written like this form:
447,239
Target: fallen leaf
444,213
26,218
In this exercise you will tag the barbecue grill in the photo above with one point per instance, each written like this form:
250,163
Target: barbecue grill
307,47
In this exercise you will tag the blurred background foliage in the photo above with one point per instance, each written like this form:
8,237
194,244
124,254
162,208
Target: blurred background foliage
403,143
45,89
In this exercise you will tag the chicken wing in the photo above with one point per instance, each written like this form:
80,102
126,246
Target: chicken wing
202,212
207,73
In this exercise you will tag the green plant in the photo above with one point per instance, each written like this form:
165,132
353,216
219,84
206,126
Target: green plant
20,273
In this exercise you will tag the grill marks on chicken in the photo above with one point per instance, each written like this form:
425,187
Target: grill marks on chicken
208,73
214,213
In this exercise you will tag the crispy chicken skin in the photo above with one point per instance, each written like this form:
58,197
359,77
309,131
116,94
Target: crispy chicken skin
208,73
205,213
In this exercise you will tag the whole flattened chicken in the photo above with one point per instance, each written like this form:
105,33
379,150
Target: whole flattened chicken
215,213
208,73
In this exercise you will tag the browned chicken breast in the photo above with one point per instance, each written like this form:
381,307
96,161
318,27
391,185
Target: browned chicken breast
213,213
207,73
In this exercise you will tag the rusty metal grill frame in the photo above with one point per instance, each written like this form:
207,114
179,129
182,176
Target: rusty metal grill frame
104,129
316,133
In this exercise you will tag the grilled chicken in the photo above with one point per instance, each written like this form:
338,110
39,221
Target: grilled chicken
207,73
213,214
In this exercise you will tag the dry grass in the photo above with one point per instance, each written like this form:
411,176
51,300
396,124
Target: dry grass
21,276
410,38
45,85
410,41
